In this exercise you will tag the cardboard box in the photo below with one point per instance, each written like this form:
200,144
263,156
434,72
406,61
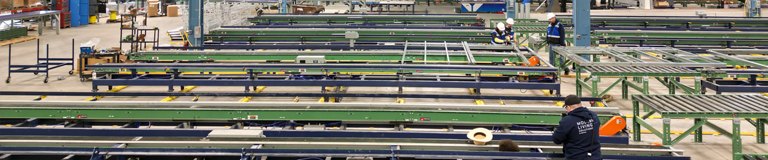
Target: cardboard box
153,9
33,3
19,3
173,11
5,4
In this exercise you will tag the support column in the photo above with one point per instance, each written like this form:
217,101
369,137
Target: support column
697,134
666,134
581,23
578,78
672,86
195,25
645,91
635,125
736,139
697,85
761,131
511,8
624,88
595,91
753,8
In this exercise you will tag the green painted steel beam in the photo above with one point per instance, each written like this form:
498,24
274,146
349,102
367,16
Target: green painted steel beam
672,21
221,114
368,19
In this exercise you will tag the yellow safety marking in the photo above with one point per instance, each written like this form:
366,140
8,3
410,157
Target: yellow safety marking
114,89
195,99
8,125
472,91
296,99
259,89
186,89
652,54
501,102
400,100
758,55
706,55
600,104
40,98
559,103
479,102
321,100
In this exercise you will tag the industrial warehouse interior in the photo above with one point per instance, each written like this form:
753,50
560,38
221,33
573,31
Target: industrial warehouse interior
383,79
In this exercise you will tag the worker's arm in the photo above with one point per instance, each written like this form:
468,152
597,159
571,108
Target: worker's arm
561,132
562,34
498,39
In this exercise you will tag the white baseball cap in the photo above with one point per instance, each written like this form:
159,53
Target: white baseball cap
550,16
510,21
500,26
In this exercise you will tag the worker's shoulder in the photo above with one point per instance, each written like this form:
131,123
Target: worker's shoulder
568,119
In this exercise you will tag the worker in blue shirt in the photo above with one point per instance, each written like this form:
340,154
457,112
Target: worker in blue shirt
578,131
499,36
555,35
510,38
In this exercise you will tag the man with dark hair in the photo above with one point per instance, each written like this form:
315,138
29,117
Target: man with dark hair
578,131
508,146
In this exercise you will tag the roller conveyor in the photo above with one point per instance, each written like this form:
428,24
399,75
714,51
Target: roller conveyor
700,108
706,104
640,69
664,64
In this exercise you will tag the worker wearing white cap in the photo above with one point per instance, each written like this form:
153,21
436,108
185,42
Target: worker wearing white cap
498,36
555,35
510,38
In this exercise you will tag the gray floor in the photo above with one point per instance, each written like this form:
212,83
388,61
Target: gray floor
714,147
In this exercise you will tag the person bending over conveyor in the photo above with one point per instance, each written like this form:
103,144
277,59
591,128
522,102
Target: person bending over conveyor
511,38
499,35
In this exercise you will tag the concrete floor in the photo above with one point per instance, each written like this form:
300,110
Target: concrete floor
714,147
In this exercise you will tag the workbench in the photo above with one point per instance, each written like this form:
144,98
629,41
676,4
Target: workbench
39,15
751,108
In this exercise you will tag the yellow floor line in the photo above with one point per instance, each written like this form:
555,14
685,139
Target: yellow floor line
172,98
259,89
114,89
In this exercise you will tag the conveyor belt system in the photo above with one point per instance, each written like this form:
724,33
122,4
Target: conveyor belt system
456,19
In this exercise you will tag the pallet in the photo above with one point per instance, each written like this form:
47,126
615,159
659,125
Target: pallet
17,40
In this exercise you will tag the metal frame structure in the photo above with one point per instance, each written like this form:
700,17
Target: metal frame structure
752,108
292,138
366,19
451,76
605,22
42,65
667,65
394,53
39,15
251,35
745,64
